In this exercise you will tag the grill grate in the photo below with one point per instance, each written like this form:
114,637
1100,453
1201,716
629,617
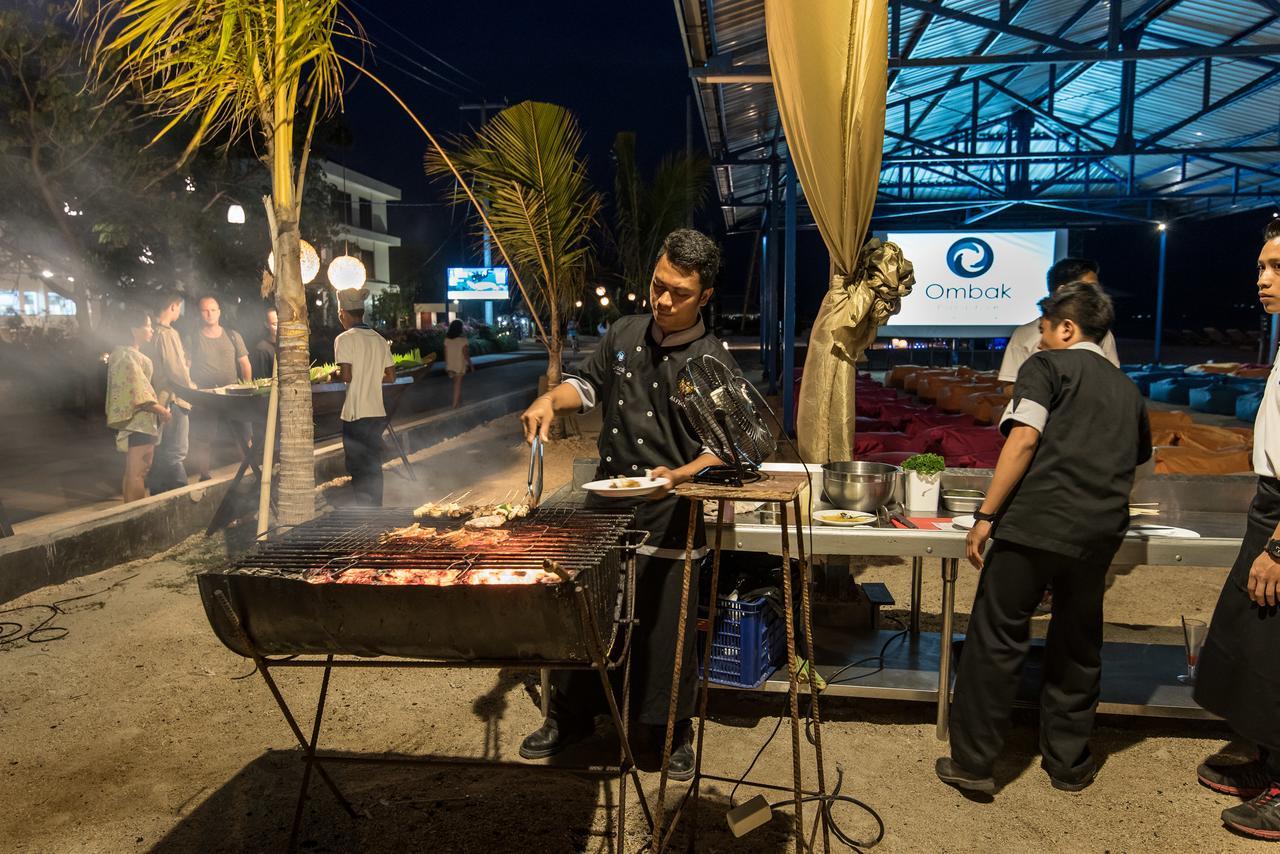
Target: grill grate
346,539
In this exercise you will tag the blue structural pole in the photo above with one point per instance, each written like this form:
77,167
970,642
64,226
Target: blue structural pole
1164,235
764,284
789,308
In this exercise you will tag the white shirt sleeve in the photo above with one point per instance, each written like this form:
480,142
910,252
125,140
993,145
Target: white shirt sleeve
1109,349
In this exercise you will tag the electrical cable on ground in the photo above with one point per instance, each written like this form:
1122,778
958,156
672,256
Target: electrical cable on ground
14,632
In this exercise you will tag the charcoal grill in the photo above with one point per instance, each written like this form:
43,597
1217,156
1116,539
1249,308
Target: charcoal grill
571,606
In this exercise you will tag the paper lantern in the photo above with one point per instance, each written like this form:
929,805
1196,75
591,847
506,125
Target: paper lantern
346,271
310,262
235,215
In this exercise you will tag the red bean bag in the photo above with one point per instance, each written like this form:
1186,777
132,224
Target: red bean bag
899,414
964,447
929,420
878,443
872,425
893,458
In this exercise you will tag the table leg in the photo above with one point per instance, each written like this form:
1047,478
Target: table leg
793,678
950,569
917,586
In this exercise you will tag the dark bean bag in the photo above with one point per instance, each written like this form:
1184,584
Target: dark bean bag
1219,399
1177,390
928,420
893,458
899,414
970,447
872,425
1247,406
878,443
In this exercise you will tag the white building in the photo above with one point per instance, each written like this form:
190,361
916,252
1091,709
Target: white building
361,206
27,296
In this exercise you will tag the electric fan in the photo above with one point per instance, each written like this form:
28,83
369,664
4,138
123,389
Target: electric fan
727,413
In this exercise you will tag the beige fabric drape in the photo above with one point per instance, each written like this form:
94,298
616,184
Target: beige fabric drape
829,64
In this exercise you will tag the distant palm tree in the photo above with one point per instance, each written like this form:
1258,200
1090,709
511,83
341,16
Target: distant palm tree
524,166
644,214
231,67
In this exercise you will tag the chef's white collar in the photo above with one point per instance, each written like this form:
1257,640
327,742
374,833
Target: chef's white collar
1088,345
677,339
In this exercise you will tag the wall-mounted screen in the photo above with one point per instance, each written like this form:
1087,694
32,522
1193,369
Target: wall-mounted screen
489,283
973,284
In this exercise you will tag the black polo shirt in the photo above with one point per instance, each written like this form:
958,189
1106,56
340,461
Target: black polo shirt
1074,498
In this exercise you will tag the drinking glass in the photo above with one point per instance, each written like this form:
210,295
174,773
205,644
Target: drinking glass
1193,634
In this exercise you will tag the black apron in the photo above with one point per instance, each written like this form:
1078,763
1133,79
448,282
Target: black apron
1238,675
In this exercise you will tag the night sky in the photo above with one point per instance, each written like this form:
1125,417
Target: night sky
620,66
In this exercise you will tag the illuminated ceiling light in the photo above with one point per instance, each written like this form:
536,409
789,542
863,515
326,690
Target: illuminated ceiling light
48,274
71,279
235,214
310,262
347,272
631,297
578,303
1161,227
190,184
600,291
71,210
318,303
604,302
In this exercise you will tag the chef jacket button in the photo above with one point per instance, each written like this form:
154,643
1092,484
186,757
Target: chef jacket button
628,375
608,459
620,403
634,468
638,349
655,385
666,358
615,429
639,441
649,413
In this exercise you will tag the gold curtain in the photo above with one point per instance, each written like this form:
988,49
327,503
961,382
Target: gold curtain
829,64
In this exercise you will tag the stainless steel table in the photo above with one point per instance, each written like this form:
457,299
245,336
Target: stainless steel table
1213,507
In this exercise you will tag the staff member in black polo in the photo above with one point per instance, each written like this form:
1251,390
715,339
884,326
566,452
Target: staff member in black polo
1238,675
1057,509
631,376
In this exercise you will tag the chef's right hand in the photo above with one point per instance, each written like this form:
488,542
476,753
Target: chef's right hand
537,419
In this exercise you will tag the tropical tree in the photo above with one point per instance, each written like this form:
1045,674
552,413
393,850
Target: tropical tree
525,168
645,213
231,68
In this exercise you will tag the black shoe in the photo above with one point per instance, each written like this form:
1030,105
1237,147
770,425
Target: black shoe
681,766
1078,784
952,774
1243,779
551,738
1259,818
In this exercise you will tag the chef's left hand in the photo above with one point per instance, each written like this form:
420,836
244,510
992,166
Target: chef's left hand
662,492
976,541
1264,581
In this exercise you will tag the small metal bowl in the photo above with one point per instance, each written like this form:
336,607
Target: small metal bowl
962,500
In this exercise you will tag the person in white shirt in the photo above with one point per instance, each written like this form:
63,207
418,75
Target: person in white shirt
1025,340
1238,673
457,358
364,364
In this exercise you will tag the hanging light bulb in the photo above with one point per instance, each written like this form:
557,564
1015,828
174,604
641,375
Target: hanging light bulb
310,262
600,291
347,272
631,297
604,301
577,304
235,214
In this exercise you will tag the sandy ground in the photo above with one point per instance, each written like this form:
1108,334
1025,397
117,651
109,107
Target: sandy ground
139,731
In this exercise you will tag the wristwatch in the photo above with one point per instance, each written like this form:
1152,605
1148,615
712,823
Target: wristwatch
991,517
1273,548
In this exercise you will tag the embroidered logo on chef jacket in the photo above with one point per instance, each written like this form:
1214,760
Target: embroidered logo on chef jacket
619,363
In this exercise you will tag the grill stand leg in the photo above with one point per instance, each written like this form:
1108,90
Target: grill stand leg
395,440
264,669
793,678
309,757
815,715
704,686
950,569
658,843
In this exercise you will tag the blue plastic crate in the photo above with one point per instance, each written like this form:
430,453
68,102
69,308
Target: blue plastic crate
748,644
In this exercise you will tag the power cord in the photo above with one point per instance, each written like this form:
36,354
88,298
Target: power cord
14,632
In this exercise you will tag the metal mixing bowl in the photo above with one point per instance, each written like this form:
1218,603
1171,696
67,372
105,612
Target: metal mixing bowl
860,485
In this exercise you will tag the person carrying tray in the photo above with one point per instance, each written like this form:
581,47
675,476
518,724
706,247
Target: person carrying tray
631,376
1056,512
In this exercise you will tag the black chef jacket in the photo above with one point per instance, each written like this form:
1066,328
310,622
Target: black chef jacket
631,377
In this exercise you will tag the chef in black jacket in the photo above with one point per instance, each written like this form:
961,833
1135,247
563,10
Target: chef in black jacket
631,377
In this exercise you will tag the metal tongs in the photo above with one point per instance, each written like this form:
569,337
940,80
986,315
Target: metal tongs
533,494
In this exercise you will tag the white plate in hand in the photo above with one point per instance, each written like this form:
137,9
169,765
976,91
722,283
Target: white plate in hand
626,487
964,523
844,518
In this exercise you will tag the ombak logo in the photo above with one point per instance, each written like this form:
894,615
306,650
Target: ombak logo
970,257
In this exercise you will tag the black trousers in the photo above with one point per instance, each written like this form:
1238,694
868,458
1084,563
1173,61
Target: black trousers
1012,583
577,694
1238,676
362,444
